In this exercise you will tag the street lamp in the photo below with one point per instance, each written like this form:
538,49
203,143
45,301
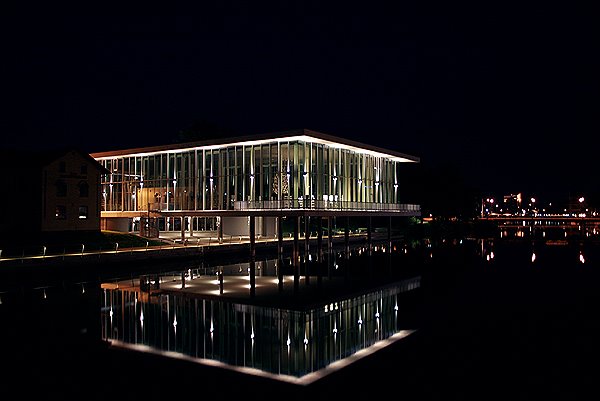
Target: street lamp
581,200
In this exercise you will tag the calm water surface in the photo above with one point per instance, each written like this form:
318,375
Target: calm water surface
477,305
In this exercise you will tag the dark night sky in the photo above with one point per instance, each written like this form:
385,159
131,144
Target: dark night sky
509,97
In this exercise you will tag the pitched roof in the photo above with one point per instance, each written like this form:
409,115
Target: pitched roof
38,159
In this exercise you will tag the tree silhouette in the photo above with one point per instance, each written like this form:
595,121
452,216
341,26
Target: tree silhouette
440,190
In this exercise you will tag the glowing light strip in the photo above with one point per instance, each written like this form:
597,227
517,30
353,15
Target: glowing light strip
304,380
302,138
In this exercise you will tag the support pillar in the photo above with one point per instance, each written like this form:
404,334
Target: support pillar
329,235
346,247
329,247
191,226
347,236
306,249
370,246
320,251
279,253
220,229
296,255
252,256
182,280
182,230
389,233
369,236
389,245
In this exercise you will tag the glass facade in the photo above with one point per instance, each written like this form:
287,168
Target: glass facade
267,174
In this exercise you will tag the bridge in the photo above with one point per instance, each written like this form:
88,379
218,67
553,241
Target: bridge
554,221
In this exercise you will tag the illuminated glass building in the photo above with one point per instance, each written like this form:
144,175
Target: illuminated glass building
194,185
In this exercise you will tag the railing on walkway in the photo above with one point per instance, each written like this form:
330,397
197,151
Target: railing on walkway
326,205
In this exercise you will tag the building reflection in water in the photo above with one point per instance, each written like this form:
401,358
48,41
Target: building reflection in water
273,340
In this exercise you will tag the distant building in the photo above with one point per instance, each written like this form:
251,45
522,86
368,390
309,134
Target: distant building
49,191
512,204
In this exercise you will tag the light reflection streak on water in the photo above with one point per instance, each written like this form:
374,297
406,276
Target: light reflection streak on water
277,339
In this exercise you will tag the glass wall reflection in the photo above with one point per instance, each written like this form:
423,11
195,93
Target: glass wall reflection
271,339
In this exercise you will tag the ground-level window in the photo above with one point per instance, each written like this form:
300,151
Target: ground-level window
83,212
60,212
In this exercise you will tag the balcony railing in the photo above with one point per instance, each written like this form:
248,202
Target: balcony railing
326,205
299,204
